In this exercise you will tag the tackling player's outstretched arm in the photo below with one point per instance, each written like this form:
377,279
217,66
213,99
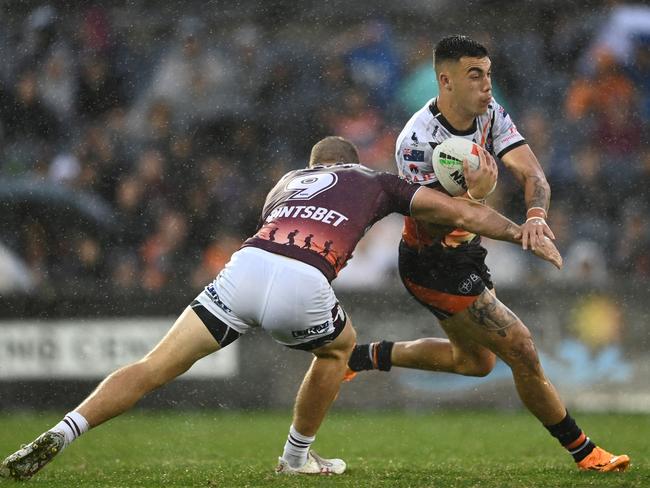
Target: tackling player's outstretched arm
433,206
537,192
438,208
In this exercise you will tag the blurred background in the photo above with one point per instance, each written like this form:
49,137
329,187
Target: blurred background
138,141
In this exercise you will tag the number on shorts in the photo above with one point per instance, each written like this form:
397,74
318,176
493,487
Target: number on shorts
306,187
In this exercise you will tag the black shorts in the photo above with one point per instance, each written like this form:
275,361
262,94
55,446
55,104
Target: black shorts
445,280
223,334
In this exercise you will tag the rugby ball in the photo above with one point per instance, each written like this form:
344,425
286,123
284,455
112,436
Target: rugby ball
448,163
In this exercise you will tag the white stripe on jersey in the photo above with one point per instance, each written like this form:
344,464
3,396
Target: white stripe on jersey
413,150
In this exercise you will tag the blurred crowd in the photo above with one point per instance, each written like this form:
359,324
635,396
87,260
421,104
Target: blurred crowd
137,155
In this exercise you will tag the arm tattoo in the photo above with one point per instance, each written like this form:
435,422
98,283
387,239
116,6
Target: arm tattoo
540,195
491,314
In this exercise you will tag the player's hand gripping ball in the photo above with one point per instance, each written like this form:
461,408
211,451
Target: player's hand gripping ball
448,163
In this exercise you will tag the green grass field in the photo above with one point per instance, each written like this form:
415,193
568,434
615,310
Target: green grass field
221,449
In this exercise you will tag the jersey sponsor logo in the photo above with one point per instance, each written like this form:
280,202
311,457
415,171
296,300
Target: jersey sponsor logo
320,214
467,284
413,155
465,287
212,293
514,134
313,331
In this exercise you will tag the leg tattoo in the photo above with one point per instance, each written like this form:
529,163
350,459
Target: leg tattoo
488,312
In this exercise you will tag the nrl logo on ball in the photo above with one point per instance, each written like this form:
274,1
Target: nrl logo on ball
448,163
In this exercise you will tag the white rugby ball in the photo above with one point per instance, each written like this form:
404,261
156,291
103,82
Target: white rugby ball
448,163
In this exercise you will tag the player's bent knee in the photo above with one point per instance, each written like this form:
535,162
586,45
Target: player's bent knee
480,367
522,354
486,366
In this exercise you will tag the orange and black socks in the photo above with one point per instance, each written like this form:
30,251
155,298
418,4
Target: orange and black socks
572,438
375,355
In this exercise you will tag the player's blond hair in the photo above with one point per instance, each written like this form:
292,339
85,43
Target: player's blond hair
333,149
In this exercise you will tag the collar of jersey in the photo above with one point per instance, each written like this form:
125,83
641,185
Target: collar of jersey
435,111
340,163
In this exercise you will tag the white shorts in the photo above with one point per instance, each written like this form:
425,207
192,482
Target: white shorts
290,299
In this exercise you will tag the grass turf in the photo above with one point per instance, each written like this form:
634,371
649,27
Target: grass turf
225,449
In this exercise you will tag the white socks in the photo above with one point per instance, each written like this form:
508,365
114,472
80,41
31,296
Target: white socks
72,426
296,448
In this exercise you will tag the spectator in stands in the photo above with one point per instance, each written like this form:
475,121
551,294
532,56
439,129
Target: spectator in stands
162,252
29,128
100,88
26,117
40,38
363,123
639,70
633,246
606,107
100,168
368,50
81,257
131,211
591,213
58,84
125,273
194,78
585,264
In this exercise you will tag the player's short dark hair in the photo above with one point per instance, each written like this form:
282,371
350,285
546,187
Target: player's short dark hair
452,48
333,149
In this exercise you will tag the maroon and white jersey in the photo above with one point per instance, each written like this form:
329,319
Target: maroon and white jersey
318,215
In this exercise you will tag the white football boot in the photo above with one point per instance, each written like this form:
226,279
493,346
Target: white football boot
314,465
29,459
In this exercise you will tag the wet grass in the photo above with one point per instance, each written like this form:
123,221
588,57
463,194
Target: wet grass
225,449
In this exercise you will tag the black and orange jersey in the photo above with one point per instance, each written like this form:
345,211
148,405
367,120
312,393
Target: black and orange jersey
318,215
